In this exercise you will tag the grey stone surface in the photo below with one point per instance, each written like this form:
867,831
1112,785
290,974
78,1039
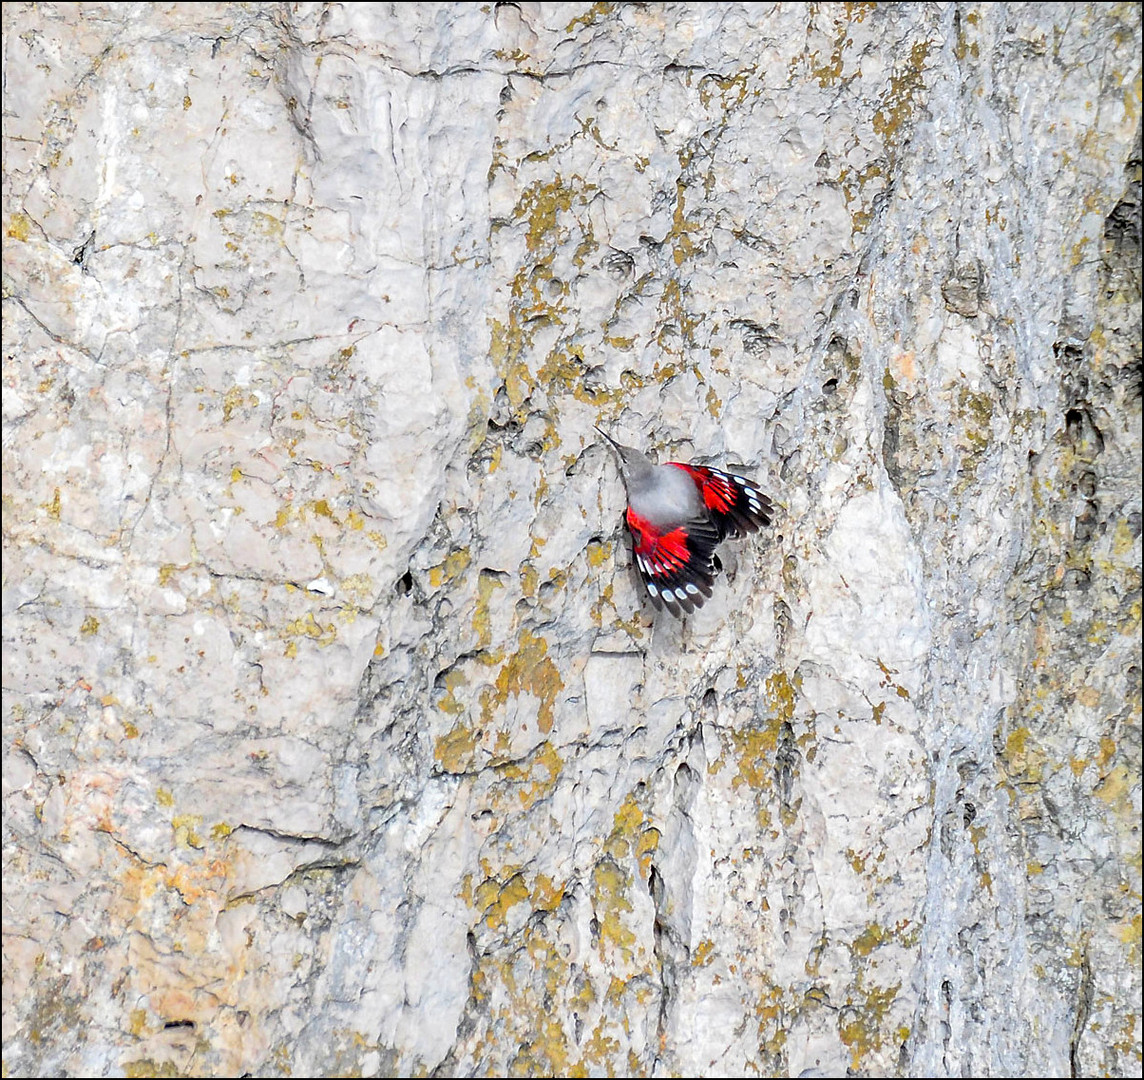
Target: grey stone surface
337,738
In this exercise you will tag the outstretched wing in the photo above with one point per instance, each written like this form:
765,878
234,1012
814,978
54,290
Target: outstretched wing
677,567
735,504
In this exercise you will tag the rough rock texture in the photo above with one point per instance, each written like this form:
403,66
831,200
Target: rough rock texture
337,736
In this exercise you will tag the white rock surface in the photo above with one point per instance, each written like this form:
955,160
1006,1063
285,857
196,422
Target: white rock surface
336,737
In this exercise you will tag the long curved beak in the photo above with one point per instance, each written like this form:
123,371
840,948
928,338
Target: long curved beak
607,436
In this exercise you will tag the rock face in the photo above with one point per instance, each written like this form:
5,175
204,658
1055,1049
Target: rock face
338,738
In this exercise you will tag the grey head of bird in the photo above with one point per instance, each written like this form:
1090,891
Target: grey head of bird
636,468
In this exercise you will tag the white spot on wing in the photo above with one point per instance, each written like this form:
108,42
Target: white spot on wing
651,588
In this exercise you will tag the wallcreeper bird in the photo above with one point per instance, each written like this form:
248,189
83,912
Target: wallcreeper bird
678,515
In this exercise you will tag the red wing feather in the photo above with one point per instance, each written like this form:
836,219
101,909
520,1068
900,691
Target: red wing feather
736,505
676,567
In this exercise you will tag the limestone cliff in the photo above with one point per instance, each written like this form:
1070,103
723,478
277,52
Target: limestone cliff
338,739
